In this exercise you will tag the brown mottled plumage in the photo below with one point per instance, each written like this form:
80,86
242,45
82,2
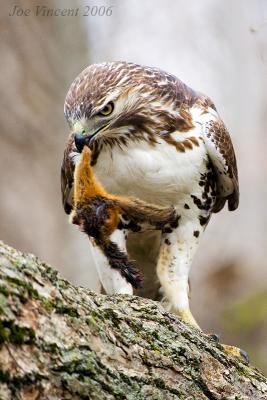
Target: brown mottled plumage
219,135
107,77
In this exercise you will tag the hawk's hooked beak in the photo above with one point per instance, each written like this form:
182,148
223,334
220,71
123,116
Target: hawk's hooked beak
79,140
82,139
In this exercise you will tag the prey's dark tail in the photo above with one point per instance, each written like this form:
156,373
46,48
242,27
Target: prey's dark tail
119,260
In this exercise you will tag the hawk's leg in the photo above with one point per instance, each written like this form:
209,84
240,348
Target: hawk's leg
176,253
111,279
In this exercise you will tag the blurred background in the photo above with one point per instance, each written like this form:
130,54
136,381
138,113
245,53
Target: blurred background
218,49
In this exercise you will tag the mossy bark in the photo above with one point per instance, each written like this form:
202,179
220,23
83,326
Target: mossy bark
64,342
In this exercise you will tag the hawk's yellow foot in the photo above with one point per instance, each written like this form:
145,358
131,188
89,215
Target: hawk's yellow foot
236,352
187,317
232,350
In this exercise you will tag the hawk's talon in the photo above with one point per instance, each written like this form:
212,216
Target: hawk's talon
245,355
215,337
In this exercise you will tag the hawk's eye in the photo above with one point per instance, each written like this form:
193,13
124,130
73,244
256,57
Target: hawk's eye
107,109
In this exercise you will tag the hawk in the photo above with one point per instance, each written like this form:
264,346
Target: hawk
153,138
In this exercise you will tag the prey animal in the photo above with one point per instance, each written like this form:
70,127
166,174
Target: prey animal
154,138
99,214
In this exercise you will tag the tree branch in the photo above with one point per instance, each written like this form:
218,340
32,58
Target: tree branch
59,341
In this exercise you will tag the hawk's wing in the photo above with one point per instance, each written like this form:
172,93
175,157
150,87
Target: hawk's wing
67,172
221,153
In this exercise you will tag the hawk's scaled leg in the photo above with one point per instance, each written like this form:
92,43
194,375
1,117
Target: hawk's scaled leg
176,253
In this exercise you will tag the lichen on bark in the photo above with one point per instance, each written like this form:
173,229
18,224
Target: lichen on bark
58,341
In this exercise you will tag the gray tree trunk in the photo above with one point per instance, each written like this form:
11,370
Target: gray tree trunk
64,342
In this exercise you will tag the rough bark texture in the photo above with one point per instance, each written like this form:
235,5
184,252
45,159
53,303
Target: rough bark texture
64,342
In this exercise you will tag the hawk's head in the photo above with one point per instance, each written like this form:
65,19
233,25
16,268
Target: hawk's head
116,102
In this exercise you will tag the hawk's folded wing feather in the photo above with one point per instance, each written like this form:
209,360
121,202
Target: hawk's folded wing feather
67,172
221,153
